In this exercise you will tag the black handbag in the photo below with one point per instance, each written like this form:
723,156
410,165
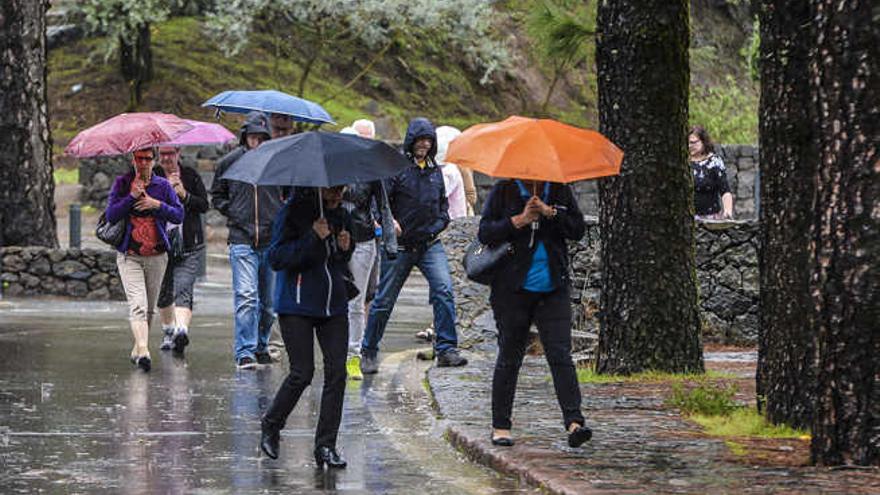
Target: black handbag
110,233
481,260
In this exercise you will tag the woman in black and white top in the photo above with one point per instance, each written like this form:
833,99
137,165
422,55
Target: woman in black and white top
712,196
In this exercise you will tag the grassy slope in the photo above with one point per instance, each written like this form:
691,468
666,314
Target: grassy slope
189,69
415,78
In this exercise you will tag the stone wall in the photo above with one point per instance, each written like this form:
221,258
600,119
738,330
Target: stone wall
78,273
742,169
727,270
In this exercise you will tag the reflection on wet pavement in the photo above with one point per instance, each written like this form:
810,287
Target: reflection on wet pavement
75,416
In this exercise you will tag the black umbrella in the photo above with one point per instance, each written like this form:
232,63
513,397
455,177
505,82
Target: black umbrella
317,159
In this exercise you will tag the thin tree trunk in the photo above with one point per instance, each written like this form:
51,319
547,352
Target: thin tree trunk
375,58
136,63
845,252
649,314
27,206
786,340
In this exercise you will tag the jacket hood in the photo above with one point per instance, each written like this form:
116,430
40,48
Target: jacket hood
420,127
256,123
445,134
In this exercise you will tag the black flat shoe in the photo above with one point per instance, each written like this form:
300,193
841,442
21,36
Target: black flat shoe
502,441
270,439
328,457
144,363
579,436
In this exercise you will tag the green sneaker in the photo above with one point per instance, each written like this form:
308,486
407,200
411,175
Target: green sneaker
353,368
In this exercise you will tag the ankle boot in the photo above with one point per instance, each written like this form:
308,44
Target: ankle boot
270,440
327,456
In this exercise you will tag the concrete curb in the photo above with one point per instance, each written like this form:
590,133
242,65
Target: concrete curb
508,465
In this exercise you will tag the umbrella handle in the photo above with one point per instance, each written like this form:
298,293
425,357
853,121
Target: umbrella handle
320,203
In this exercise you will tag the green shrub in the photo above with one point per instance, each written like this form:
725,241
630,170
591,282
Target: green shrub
707,399
729,112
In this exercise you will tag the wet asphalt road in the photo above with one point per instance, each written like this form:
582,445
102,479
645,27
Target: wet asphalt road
75,417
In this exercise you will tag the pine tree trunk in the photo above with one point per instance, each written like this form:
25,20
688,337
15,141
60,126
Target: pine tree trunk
786,341
27,206
845,252
649,314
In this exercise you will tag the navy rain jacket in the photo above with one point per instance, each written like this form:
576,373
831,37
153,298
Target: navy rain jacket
418,196
311,273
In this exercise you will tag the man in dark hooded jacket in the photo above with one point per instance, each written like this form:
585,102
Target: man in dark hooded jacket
249,212
417,198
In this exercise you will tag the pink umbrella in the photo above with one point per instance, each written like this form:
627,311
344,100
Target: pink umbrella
202,134
127,132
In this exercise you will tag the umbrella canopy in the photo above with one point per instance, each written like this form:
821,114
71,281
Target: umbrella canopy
202,134
270,101
535,149
126,133
317,159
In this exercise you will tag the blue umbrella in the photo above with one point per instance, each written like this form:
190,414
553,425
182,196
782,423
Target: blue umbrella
317,159
270,101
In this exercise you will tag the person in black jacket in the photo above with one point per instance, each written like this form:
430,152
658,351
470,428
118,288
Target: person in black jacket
532,285
176,296
418,202
311,254
249,211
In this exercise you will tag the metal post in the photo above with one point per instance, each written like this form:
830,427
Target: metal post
203,265
75,233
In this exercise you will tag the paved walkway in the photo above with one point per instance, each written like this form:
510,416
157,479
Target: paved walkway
76,418
638,445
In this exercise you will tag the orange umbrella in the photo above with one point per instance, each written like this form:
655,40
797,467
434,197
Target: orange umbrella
535,149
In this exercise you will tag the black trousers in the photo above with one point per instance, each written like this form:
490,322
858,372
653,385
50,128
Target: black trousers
514,314
298,332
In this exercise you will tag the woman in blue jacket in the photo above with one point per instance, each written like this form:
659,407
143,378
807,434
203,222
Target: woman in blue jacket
533,286
310,254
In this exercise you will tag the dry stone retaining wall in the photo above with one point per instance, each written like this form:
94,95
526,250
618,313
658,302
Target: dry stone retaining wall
78,273
727,271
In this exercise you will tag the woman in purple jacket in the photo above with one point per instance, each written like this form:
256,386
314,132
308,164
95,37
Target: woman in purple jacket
146,202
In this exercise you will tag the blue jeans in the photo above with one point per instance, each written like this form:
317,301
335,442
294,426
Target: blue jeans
434,266
253,282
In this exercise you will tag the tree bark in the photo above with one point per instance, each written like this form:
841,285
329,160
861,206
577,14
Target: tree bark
786,340
844,80
27,206
136,63
649,314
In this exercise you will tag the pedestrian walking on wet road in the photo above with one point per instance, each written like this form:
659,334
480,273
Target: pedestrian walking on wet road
249,212
310,254
418,203
147,203
176,296
532,285
364,201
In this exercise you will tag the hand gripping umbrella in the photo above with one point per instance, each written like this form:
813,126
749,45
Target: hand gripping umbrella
126,133
317,159
270,101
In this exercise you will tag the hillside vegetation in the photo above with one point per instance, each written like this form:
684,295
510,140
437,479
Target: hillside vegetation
416,77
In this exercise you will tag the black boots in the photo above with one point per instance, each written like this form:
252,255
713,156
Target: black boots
580,435
269,441
327,457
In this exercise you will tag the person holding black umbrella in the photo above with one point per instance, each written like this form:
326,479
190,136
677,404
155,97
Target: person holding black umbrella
310,250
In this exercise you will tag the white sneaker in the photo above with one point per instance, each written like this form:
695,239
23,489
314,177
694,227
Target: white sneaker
168,339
